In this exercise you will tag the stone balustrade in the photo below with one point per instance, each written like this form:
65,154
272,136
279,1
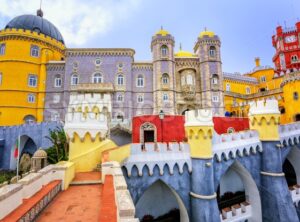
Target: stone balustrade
123,200
236,213
12,195
231,145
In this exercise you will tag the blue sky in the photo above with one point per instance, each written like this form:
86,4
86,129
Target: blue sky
244,26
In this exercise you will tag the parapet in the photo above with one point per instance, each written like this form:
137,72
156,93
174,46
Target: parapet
261,107
201,117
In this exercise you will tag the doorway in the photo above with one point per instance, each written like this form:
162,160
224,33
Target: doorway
149,136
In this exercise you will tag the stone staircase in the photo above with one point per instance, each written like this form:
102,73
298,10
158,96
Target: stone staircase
88,178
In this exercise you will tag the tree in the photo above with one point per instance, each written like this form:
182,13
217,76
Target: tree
60,149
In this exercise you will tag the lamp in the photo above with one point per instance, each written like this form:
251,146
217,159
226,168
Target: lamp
161,117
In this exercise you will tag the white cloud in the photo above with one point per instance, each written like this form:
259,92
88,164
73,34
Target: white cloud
77,20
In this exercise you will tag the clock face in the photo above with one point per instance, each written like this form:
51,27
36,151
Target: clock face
291,38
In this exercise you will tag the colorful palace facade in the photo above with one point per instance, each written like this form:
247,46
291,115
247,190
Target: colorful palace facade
39,73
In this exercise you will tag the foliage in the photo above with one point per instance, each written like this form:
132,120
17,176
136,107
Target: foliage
6,175
59,151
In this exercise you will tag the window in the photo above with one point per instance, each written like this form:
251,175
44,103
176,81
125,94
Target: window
31,98
57,81
212,51
263,79
120,80
32,80
56,98
296,95
189,80
140,98
55,116
215,98
74,79
140,81
29,119
164,51
294,58
228,87
165,97
165,78
2,49
98,62
35,51
215,79
0,78
97,78
248,90
120,98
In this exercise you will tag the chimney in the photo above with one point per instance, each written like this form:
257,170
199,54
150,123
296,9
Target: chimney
257,62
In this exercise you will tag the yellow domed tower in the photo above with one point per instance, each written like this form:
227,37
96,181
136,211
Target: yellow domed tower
27,43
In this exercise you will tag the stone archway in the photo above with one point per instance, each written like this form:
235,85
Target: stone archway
148,133
159,199
293,158
249,192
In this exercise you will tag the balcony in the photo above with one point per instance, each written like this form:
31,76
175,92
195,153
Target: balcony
188,92
93,87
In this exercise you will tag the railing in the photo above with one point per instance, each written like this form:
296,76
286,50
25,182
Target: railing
93,87
254,95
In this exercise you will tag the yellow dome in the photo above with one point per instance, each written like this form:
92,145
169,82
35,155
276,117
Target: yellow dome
182,53
162,32
208,33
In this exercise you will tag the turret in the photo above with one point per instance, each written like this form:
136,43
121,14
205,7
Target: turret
265,117
162,47
199,129
208,49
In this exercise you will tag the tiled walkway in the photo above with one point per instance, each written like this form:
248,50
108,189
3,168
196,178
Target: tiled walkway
77,203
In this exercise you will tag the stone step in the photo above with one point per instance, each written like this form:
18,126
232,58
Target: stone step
85,182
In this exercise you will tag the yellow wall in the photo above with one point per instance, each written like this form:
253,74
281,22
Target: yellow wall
199,139
292,107
15,65
119,154
87,154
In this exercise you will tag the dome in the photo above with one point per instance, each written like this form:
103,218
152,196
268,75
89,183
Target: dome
207,33
162,32
40,153
36,24
182,53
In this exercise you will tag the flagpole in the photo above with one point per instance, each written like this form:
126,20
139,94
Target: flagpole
18,157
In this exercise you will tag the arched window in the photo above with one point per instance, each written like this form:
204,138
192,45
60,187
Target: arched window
31,98
212,51
140,81
228,87
97,78
294,58
120,98
165,79
140,98
296,95
35,51
29,119
165,97
74,79
164,50
57,81
189,79
32,80
120,80
2,49
215,79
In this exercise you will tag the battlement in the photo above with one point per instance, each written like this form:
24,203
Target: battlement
158,155
199,117
31,34
264,107
240,144
289,133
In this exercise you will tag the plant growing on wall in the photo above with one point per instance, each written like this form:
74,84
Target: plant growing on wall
59,151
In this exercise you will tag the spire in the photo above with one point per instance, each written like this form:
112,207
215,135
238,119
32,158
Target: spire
180,47
161,27
39,11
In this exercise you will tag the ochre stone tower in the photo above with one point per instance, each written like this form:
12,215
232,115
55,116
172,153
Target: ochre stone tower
208,50
162,47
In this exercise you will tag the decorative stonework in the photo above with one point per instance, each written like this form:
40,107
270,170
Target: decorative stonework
100,52
147,127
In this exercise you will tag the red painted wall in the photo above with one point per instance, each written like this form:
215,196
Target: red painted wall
173,127
222,124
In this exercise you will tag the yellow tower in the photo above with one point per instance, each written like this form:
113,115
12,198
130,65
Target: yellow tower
265,118
199,129
27,43
291,93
